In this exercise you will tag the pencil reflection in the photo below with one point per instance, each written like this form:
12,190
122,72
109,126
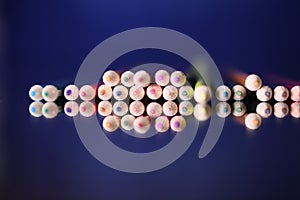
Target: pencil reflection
186,110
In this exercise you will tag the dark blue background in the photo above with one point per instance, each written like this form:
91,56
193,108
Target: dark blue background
46,41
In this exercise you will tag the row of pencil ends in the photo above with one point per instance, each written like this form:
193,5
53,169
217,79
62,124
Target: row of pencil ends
138,85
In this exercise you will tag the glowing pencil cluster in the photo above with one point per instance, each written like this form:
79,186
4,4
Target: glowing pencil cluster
132,101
